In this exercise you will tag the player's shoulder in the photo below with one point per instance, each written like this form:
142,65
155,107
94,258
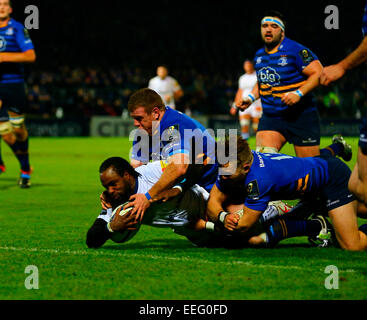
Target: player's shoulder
16,24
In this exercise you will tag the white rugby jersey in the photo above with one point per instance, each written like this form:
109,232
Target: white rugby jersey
167,86
176,212
247,82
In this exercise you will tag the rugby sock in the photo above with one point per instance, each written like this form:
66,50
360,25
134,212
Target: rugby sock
20,149
335,149
363,228
283,228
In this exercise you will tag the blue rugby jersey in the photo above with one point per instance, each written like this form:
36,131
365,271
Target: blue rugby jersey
13,38
172,139
280,71
364,22
281,177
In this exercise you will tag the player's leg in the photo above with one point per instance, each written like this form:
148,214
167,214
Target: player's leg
270,137
339,148
6,135
269,141
20,147
245,120
256,115
345,224
358,180
304,134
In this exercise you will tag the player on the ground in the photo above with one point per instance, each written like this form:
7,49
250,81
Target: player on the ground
166,133
287,72
276,176
16,48
166,86
184,213
253,113
358,179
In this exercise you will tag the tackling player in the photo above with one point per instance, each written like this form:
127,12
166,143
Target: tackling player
287,72
185,213
253,113
268,177
358,179
16,48
166,86
166,133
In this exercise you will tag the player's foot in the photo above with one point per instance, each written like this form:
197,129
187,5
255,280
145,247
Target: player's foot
347,148
325,237
282,207
25,180
2,168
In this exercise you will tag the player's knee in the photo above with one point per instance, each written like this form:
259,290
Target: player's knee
244,122
351,245
5,129
266,149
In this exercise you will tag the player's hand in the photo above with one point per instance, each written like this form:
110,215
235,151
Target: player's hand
231,221
104,202
290,98
244,103
124,222
166,195
233,111
331,74
140,203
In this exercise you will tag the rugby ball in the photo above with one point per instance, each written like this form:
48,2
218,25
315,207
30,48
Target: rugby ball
124,235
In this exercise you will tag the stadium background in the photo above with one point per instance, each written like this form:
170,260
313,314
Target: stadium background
92,57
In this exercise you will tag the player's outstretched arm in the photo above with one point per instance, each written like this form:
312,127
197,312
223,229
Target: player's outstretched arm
98,234
215,204
247,101
28,56
248,219
337,71
313,73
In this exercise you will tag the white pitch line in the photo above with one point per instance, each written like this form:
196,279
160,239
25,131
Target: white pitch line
155,257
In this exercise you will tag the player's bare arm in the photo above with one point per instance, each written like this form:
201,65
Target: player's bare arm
248,219
28,56
247,101
313,72
336,71
124,222
215,204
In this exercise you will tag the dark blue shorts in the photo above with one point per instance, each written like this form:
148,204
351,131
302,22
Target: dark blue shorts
363,136
300,129
335,193
13,97
3,115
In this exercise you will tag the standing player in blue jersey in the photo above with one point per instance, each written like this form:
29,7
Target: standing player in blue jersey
268,177
358,179
287,72
167,133
16,48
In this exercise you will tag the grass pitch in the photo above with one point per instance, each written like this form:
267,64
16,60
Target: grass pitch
46,226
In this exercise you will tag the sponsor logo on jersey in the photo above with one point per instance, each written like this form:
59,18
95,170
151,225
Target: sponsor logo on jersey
283,61
9,32
2,43
269,75
253,190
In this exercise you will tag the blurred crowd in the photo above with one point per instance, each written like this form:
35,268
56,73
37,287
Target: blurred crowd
88,91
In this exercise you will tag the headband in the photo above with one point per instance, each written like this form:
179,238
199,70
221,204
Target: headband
274,20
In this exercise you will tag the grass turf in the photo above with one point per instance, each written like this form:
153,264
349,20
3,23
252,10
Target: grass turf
46,226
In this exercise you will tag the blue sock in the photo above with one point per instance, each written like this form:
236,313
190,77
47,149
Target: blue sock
245,136
284,228
363,228
335,149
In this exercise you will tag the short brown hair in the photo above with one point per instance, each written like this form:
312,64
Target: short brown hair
146,98
244,153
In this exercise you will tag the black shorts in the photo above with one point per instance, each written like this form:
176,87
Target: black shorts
301,129
336,193
3,115
363,136
13,97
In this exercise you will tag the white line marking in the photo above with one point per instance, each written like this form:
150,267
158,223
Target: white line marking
155,257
